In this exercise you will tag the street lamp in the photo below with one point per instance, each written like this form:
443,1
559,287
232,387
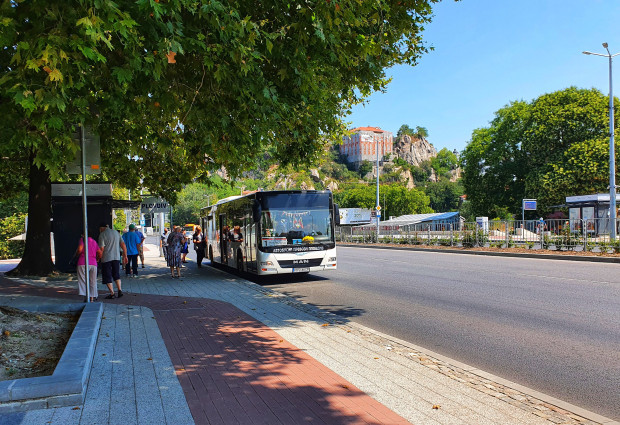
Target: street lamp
612,155
377,206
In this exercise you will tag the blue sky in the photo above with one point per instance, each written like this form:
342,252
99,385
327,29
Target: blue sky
489,53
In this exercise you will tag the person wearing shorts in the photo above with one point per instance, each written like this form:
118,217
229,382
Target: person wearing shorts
110,241
141,247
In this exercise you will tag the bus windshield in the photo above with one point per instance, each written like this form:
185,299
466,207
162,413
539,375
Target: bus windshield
299,219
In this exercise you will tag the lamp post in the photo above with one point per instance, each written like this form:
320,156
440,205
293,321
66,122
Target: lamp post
377,206
612,155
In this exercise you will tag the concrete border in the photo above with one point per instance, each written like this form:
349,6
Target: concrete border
592,259
67,385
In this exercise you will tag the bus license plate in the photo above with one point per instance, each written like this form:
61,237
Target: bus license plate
301,269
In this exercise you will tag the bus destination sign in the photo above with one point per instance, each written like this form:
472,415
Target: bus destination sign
298,249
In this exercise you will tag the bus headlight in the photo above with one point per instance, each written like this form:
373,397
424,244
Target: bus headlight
331,260
266,263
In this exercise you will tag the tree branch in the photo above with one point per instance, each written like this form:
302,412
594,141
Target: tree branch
204,72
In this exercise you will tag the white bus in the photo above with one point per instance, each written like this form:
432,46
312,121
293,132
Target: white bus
273,232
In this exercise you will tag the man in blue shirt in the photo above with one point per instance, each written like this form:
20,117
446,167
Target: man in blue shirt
132,240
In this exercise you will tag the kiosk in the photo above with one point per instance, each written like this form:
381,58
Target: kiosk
67,223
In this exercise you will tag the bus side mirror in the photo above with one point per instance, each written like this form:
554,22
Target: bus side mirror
336,215
256,211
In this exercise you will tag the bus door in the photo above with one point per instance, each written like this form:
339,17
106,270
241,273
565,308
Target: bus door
246,251
223,240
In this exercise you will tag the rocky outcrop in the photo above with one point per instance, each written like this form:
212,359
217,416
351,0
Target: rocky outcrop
455,174
414,150
314,174
332,185
407,178
433,177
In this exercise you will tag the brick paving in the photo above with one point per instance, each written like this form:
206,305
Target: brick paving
235,370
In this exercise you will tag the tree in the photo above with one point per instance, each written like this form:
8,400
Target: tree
404,130
444,195
422,172
191,199
536,150
444,162
582,169
179,89
357,196
421,132
365,168
398,199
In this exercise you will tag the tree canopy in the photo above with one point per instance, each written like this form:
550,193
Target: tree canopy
177,89
419,132
444,162
553,147
395,199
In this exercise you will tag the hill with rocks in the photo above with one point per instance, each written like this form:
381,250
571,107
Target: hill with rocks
414,150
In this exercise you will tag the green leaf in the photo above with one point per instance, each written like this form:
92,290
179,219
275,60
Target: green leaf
55,123
55,75
88,52
122,75
84,22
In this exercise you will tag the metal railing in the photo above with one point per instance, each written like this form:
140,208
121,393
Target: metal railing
557,235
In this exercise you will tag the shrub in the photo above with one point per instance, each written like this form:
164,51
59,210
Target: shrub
444,242
9,227
469,240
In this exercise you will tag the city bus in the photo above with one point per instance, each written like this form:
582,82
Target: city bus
189,229
272,232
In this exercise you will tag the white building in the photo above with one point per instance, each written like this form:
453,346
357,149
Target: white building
363,142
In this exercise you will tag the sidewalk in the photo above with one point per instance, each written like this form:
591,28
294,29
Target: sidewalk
216,349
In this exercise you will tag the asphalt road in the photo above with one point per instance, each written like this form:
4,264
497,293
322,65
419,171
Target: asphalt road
551,325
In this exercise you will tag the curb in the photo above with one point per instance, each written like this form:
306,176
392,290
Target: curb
67,385
492,253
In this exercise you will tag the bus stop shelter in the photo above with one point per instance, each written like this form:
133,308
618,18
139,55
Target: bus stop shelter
67,216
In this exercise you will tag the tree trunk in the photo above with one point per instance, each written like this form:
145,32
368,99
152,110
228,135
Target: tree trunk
37,258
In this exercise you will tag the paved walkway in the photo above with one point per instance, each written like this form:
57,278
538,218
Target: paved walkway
243,354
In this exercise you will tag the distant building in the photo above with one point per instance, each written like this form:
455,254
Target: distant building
419,222
432,221
362,144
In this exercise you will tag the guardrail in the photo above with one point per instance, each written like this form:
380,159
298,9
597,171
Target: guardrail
557,234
